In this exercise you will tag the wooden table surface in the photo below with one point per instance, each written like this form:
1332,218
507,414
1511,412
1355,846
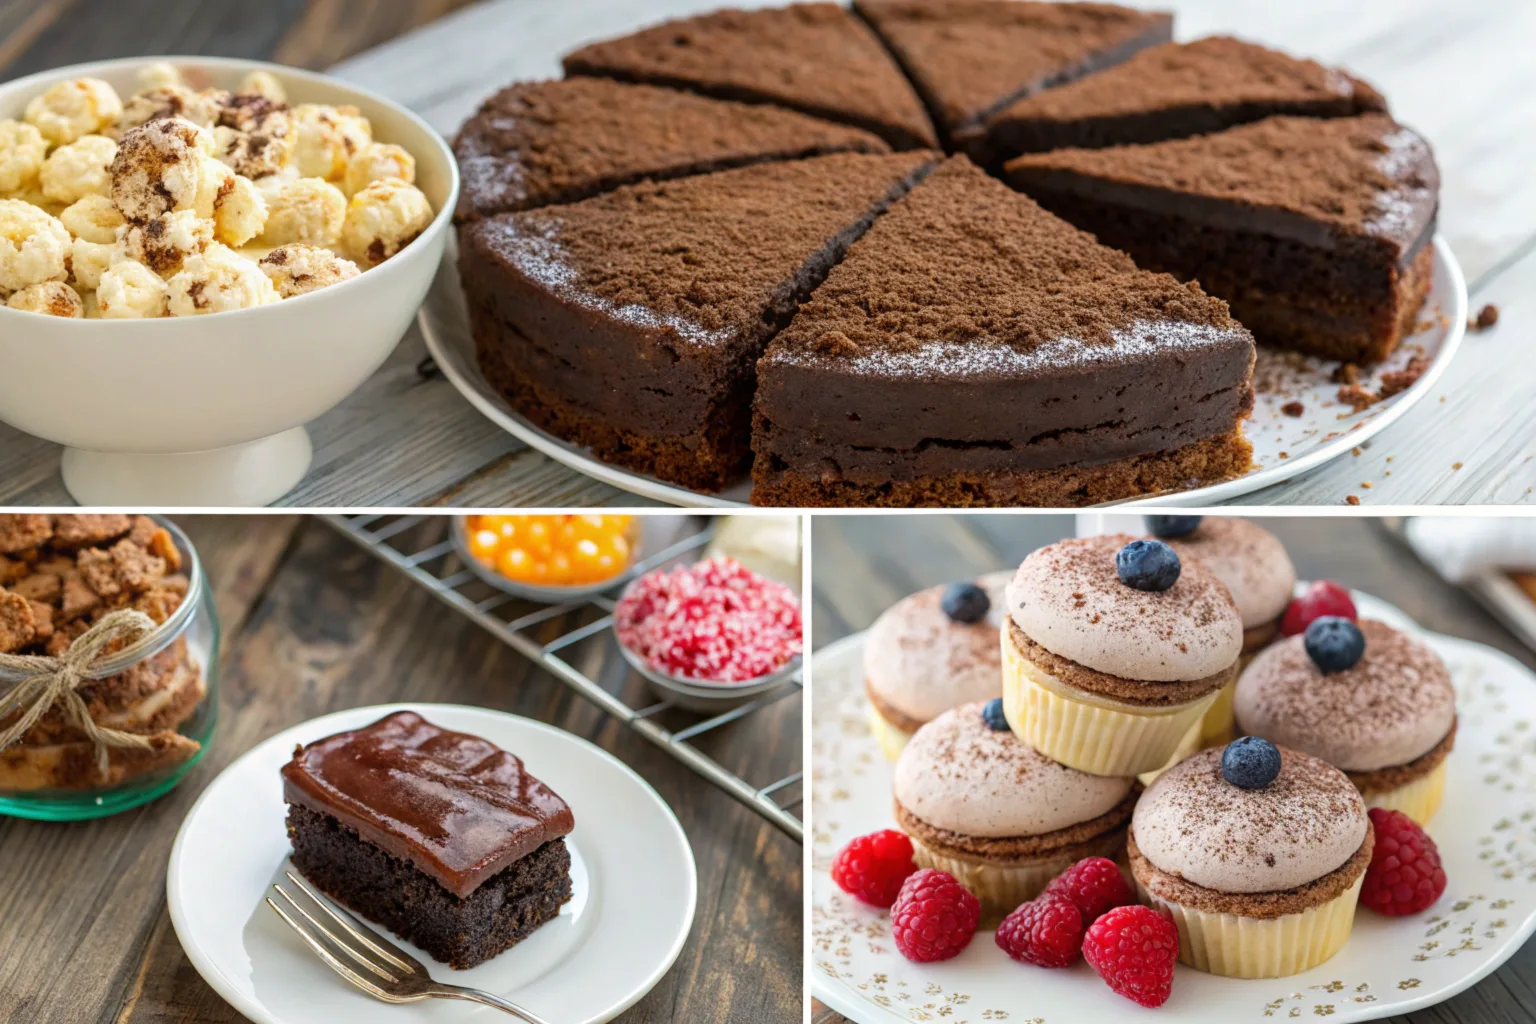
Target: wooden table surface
1458,70
313,624
863,564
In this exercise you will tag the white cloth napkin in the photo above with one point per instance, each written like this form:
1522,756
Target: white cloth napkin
1461,548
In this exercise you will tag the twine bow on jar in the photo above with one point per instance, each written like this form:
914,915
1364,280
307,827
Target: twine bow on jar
54,681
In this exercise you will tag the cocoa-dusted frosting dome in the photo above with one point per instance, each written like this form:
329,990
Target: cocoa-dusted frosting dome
922,662
1391,707
959,774
1248,559
1195,824
1068,598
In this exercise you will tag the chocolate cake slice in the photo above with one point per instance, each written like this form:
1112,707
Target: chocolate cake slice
816,58
1316,232
536,143
631,322
973,349
1173,91
441,837
968,58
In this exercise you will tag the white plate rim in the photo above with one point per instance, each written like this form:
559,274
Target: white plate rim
467,381
214,975
835,995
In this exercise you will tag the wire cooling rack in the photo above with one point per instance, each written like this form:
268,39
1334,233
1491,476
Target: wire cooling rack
428,556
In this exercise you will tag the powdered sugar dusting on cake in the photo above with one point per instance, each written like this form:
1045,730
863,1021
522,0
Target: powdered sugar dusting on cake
1396,208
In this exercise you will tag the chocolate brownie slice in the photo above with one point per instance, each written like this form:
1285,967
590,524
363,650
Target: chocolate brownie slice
536,143
973,349
1316,232
441,837
816,58
968,58
631,322
1173,91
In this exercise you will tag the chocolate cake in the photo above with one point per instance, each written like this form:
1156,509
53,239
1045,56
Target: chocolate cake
536,143
816,58
1316,232
1173,91
441,837
968,58
973,349
631,322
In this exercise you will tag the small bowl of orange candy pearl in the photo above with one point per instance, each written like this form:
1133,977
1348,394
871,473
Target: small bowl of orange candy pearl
550,557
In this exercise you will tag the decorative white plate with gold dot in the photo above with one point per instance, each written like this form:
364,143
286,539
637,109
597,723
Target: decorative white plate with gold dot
1486,832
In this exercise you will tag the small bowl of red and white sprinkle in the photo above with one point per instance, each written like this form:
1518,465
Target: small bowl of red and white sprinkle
711,635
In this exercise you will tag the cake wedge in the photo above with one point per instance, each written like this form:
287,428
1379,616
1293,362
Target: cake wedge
973,349
1316,231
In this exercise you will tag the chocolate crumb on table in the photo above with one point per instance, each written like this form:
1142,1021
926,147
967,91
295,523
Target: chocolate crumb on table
1293,408
1486,318
1351,499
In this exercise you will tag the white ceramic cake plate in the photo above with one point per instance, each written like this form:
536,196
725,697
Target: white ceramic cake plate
1486,832
632,873
1283,446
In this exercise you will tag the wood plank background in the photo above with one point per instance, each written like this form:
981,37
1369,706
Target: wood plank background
313,624
1458,70
863,564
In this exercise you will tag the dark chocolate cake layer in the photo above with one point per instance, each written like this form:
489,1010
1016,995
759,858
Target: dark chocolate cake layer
537,143
459,931
1309,228
974,349
631,322
968,58
816,58
1173,91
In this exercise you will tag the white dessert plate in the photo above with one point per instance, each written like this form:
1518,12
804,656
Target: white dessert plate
1486,832
1283,445
631,867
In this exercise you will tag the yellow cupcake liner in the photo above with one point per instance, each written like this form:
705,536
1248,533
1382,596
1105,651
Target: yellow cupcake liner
891,739
1419,799
1190,744
1234,946
1000,886
1086,731
1218,725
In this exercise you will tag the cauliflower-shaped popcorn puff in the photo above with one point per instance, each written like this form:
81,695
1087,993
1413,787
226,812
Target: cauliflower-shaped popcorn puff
93,218
376,161
81,106
307,210
240,213
22,152
297,269
81,168
264,83
163,243
201,109
159,75
130,291
383,218
328,138
255,136
51,298
158,168
34,246
217,281
88,261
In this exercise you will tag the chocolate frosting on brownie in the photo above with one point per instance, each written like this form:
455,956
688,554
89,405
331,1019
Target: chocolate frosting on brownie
970,328
1317,181
970,57
456,806
1177,90
816,58
536,143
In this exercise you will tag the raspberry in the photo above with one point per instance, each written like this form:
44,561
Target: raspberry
1134,949
1095,884
873,867
1048,930
1322,597
934,916
1405,875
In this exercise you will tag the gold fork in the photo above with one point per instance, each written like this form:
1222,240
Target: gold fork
393,975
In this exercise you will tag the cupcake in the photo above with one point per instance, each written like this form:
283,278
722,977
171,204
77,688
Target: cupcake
1370,700
1002,818
929,652
1113,650
1252,564
1258,854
